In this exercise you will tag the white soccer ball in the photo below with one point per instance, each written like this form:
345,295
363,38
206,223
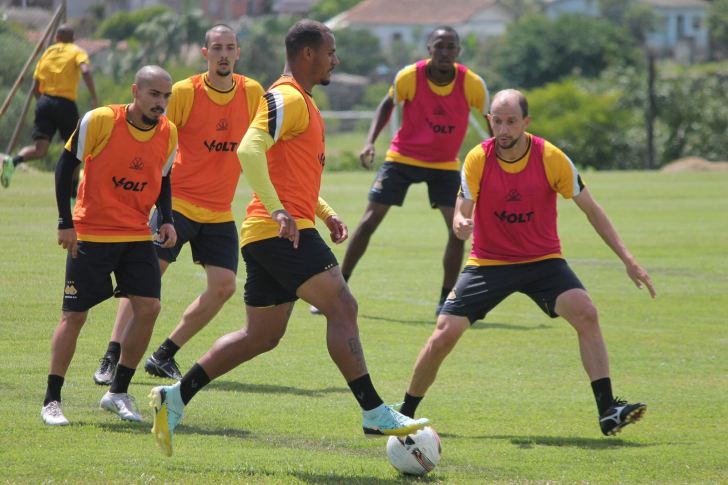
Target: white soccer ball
415,454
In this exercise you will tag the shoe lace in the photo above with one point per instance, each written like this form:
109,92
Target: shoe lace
393,419
619,402
54,409
106,365
130,402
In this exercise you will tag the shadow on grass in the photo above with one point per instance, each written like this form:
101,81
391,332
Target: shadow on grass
340,479
476,326
272,389
146,428
528,442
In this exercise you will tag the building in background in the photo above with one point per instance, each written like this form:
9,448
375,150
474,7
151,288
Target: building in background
411,21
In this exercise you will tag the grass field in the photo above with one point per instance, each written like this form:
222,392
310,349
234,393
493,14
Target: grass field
512,403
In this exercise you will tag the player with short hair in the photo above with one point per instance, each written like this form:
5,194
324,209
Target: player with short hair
437,94
283,157
55,86
128,151
508,203
212,112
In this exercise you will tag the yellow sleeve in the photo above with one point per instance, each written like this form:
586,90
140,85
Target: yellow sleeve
472,174
92,133
323,210
561,172
405,83
81,56
180,103
476,92
283,113
251,154
253,92
36,74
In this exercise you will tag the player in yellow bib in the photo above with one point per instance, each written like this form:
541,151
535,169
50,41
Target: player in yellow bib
212,112
55,86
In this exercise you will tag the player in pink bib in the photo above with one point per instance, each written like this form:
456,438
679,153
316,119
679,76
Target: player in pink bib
508,203
438,95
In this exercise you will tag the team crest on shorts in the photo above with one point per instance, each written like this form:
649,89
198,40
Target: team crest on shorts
378,184
70,290
452,294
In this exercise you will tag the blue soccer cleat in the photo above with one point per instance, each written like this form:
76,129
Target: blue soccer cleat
168,412
386,421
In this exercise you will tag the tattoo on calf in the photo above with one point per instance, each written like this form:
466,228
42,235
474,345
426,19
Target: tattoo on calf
358,352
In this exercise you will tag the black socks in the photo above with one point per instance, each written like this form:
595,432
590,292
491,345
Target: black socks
121,381
53,391
410,405
365,393
195,379
167,350
113,353
603,393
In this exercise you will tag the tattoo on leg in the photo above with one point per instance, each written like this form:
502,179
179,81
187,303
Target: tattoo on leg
290,310
335,272
358,352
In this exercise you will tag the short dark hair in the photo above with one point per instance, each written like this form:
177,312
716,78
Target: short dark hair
220,28
445,28
304,33
65,34
520,97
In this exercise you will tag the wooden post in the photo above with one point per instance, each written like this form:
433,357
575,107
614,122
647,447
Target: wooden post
650,113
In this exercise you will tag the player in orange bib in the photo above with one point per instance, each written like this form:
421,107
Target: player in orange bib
508,203
283,157
128,151
212,112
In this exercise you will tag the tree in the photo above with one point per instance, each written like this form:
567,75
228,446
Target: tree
536,50
362,51
326,9
718,26
163,36
121,25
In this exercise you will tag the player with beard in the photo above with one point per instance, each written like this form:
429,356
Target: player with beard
508,203
128,151
212,112
283,157
437,94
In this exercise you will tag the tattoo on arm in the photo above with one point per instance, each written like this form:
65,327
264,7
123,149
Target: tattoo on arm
356,350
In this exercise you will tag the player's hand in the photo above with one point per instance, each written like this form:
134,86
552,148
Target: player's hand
464,228
68,240
168,234
339,231
639,276
289,228
367,156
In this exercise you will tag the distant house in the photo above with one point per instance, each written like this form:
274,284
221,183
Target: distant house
413,20
683,33
292,7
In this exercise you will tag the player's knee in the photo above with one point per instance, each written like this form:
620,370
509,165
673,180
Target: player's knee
587,318
74,319
222,292
148,310
443,341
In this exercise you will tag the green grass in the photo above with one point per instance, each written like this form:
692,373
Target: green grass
512,404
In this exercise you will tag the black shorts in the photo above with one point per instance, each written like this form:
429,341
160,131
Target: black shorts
212,244
394,178
276,270
480,288
54,113
88,276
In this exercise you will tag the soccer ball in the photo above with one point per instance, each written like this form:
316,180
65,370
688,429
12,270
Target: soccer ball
415,454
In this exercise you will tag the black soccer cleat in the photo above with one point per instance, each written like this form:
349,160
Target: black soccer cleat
162,368
619,415
105,375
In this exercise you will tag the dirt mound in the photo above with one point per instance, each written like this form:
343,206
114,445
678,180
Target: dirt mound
695,164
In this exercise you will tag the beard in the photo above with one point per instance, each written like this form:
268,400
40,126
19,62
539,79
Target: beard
149,121
222,73
510,145
325,82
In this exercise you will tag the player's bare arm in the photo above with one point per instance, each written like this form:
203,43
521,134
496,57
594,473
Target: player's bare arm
339,231
168,234
606,230
462,222
381,118
289,227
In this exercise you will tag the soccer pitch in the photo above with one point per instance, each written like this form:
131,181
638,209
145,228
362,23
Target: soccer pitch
512,403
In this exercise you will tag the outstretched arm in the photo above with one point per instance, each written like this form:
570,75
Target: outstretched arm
381,118
88,78
601,223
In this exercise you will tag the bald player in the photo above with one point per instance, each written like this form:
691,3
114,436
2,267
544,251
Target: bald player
55,86
507,202
212,112
437,94
128,151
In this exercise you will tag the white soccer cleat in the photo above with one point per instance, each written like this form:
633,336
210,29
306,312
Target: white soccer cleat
122,404
314,310
52,414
